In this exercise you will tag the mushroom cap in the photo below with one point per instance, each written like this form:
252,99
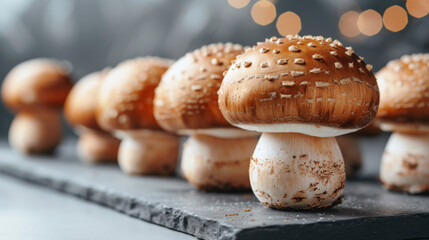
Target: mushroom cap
309,85
37,83
80,105
125,98
404,87
187,95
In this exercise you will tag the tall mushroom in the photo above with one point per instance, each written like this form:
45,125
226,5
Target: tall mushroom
404,109
125,108
216,155
36,89
300,92
95,145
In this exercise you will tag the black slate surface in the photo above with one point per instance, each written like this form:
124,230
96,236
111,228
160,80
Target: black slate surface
367,212
33,212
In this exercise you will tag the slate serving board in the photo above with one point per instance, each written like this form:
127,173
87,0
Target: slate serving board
368,211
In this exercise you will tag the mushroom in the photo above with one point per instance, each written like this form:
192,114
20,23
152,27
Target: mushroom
404,109
94,145
351,149
36,89
216,155
351,152
125,108
300,92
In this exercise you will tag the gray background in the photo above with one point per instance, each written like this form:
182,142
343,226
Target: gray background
99,33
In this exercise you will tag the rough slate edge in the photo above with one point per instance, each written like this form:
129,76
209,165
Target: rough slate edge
205,228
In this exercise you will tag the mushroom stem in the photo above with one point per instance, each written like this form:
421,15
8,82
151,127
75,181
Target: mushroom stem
350,149
296,171
405,163
217,164
148,152
35,132
97,147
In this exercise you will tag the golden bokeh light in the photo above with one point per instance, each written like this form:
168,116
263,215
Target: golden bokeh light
417,8
348,24
238,3
263,12
369,22
288,23
395,18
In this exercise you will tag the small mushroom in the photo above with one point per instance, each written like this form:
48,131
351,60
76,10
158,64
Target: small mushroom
351,152
297,163
404,110
125,108
216,155
36,89
97,147
213,163
94,145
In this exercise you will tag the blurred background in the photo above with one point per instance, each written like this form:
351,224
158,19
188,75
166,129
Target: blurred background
99,33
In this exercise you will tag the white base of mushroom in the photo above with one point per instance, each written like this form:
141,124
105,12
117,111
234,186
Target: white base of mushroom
296,171
217,164
405,163
147,152
34,132
97,147
350,149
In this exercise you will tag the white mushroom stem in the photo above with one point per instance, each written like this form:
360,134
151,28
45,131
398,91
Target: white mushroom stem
405,163
218,164
97,147
350,149
37,131
148,152
296,171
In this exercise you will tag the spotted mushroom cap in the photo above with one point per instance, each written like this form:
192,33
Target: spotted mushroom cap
309,85
404,87
125,98
187,95
37,83
80,105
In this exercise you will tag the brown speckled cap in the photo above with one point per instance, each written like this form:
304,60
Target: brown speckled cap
187,95
37,83
404,87
310,82
80,105
125,99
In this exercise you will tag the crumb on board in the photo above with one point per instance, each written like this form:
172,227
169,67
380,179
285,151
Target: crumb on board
231,214
247,209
